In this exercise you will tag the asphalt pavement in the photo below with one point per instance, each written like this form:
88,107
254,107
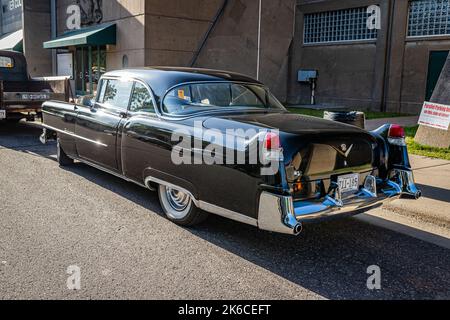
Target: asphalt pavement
53,218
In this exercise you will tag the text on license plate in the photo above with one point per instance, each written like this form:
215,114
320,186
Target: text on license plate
28,96
2,114
349,183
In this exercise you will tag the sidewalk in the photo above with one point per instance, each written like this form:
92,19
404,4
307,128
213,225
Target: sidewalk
403,121
433,178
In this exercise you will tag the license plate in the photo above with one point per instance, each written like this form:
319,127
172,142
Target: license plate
2,114
35,96
349,183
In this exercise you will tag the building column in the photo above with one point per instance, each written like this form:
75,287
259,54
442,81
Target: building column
394,79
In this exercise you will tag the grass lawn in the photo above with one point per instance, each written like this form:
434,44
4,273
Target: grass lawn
421,150
369,114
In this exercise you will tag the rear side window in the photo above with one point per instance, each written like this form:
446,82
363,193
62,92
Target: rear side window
116,93
141,99
6,62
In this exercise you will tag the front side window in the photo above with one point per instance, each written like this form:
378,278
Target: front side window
192,98
116,93
6,62
141,100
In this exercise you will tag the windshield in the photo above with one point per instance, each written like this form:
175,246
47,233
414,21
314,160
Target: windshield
197,97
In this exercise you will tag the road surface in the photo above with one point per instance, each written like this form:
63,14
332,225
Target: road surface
114,232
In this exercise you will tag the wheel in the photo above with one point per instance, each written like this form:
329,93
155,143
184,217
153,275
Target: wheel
179,207
62,157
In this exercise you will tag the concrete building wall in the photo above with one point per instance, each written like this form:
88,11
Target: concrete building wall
36,23
129,16
415,74
350,74
174,29
233,44
387,74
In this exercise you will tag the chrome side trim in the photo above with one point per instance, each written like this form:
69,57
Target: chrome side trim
227,213
71,134
118,175
208,207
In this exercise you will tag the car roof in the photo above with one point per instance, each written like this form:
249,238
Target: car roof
161,79
11,53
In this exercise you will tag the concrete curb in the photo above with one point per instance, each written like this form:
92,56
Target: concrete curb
435,218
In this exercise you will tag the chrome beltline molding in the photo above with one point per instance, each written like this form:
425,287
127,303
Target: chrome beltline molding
227,213
208,207
71,134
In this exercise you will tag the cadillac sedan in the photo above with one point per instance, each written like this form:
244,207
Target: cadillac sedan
215,142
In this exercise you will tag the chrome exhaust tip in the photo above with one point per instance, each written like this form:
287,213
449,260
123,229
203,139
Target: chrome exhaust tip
409,188
413,195
298,229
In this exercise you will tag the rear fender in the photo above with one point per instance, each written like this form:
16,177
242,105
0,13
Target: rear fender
398,157
399,166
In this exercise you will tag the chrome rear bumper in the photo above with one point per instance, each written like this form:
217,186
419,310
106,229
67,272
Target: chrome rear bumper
284,215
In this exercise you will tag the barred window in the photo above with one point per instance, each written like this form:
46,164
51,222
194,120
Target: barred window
429,18
338,26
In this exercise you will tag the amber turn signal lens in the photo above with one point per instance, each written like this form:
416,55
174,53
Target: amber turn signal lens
298,187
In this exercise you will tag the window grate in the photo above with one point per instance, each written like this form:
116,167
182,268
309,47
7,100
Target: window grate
429,18
338,26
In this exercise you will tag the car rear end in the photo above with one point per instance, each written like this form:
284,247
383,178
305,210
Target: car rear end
21,99
329,174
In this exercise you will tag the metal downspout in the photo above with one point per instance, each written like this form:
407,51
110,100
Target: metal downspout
387,67
53,34
208,32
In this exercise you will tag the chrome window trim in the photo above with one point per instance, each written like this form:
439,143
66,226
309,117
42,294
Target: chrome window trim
155,107
134,79
110,106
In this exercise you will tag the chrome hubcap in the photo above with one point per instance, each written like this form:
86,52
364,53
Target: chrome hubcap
178,200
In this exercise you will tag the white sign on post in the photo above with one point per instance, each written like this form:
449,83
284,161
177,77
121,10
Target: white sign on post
435,115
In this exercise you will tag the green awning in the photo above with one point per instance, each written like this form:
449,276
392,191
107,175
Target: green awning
12,41
98,35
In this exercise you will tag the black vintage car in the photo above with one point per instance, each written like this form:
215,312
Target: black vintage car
161,127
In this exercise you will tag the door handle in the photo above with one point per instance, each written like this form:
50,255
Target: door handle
123,115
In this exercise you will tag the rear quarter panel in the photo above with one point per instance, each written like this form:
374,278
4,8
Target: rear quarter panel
62,117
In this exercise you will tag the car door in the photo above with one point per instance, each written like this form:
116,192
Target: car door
137,143
97,128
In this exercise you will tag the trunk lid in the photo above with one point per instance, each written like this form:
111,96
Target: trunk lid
314,147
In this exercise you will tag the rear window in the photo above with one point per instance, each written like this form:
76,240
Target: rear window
6,62
197,97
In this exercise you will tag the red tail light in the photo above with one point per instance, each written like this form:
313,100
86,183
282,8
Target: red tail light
272,149
272,141
396,131
396,135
